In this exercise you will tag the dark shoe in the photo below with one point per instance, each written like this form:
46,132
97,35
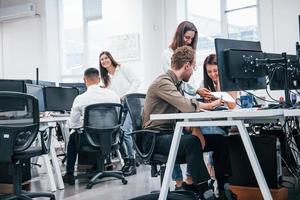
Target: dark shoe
131,169
69,178
126,164
227,195
188,187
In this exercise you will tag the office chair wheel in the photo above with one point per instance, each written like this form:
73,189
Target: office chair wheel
89,185
124,181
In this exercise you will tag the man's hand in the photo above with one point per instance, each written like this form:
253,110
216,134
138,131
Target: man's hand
205,93
196,132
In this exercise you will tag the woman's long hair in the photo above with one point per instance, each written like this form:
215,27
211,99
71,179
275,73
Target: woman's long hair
208,83
103,71
182,28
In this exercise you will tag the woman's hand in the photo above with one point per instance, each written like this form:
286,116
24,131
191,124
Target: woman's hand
205,93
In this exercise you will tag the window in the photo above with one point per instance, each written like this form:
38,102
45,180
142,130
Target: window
239,20
242,19
72,40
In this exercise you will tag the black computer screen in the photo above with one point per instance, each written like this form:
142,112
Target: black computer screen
234,58
277,72
12,85
80,86
59,98
37,91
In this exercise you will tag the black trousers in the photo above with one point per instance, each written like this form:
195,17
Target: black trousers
75,141
190,148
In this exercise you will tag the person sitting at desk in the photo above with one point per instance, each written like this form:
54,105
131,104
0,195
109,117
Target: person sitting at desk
94,94
165,96
211,81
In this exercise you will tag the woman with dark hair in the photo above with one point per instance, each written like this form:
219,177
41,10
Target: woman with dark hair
211,79
186,34
123,81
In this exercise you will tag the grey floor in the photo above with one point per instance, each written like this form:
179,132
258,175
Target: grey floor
113,189
109,188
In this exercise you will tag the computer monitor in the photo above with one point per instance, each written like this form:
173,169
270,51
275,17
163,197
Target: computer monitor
59,98
37,91
80,86
277,72
12,85
44,83
237,69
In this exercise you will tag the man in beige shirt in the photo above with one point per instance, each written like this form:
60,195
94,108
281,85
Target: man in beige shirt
165,96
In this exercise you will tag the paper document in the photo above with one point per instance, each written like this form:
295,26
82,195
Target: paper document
224,95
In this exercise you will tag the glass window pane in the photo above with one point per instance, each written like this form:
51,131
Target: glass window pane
242,24
73,43
234,4
206,15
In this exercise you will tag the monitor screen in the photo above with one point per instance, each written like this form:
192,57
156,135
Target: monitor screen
235,64
12,85
37,91
59,98
277,71
44,83
80,86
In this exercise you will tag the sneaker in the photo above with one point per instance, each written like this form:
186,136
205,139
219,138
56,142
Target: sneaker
227,195
131,169
188,187
69,178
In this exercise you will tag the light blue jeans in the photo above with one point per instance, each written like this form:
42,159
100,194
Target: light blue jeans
205,130
127,142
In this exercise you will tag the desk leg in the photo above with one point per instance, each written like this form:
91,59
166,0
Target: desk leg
254,161
60,183
49,172
171,161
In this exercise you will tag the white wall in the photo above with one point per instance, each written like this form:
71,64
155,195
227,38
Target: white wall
28,43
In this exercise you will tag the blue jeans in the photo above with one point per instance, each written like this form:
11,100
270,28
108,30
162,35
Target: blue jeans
127,143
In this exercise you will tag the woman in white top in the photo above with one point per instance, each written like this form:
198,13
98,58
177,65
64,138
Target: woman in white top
121,80
186,34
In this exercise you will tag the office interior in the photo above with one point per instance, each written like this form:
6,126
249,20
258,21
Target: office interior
56,40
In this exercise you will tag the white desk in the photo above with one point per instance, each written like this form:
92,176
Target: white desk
51,121
219,118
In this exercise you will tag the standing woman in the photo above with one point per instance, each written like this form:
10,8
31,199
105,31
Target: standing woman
123,81
186,34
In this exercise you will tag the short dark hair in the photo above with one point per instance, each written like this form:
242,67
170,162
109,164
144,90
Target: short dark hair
182,28
181,56
91,72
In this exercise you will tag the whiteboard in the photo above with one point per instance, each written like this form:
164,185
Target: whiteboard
125,47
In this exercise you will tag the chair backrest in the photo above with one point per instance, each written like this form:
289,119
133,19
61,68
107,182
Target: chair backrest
135,104
19,123
141,141
102,125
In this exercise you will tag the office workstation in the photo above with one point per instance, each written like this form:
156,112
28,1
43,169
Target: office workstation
48,47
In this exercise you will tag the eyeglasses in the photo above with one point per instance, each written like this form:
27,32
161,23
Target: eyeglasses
193,65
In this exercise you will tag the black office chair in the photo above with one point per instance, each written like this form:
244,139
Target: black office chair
135,104
101,128
19,127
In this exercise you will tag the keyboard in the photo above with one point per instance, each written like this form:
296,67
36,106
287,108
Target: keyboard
60,114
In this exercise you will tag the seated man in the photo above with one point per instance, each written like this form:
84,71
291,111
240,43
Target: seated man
165,96
94,94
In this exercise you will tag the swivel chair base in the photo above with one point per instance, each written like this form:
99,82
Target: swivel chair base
27,196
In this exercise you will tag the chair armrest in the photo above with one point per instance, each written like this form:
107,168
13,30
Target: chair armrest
145,156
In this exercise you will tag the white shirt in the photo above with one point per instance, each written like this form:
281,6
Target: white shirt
124,81
94,94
